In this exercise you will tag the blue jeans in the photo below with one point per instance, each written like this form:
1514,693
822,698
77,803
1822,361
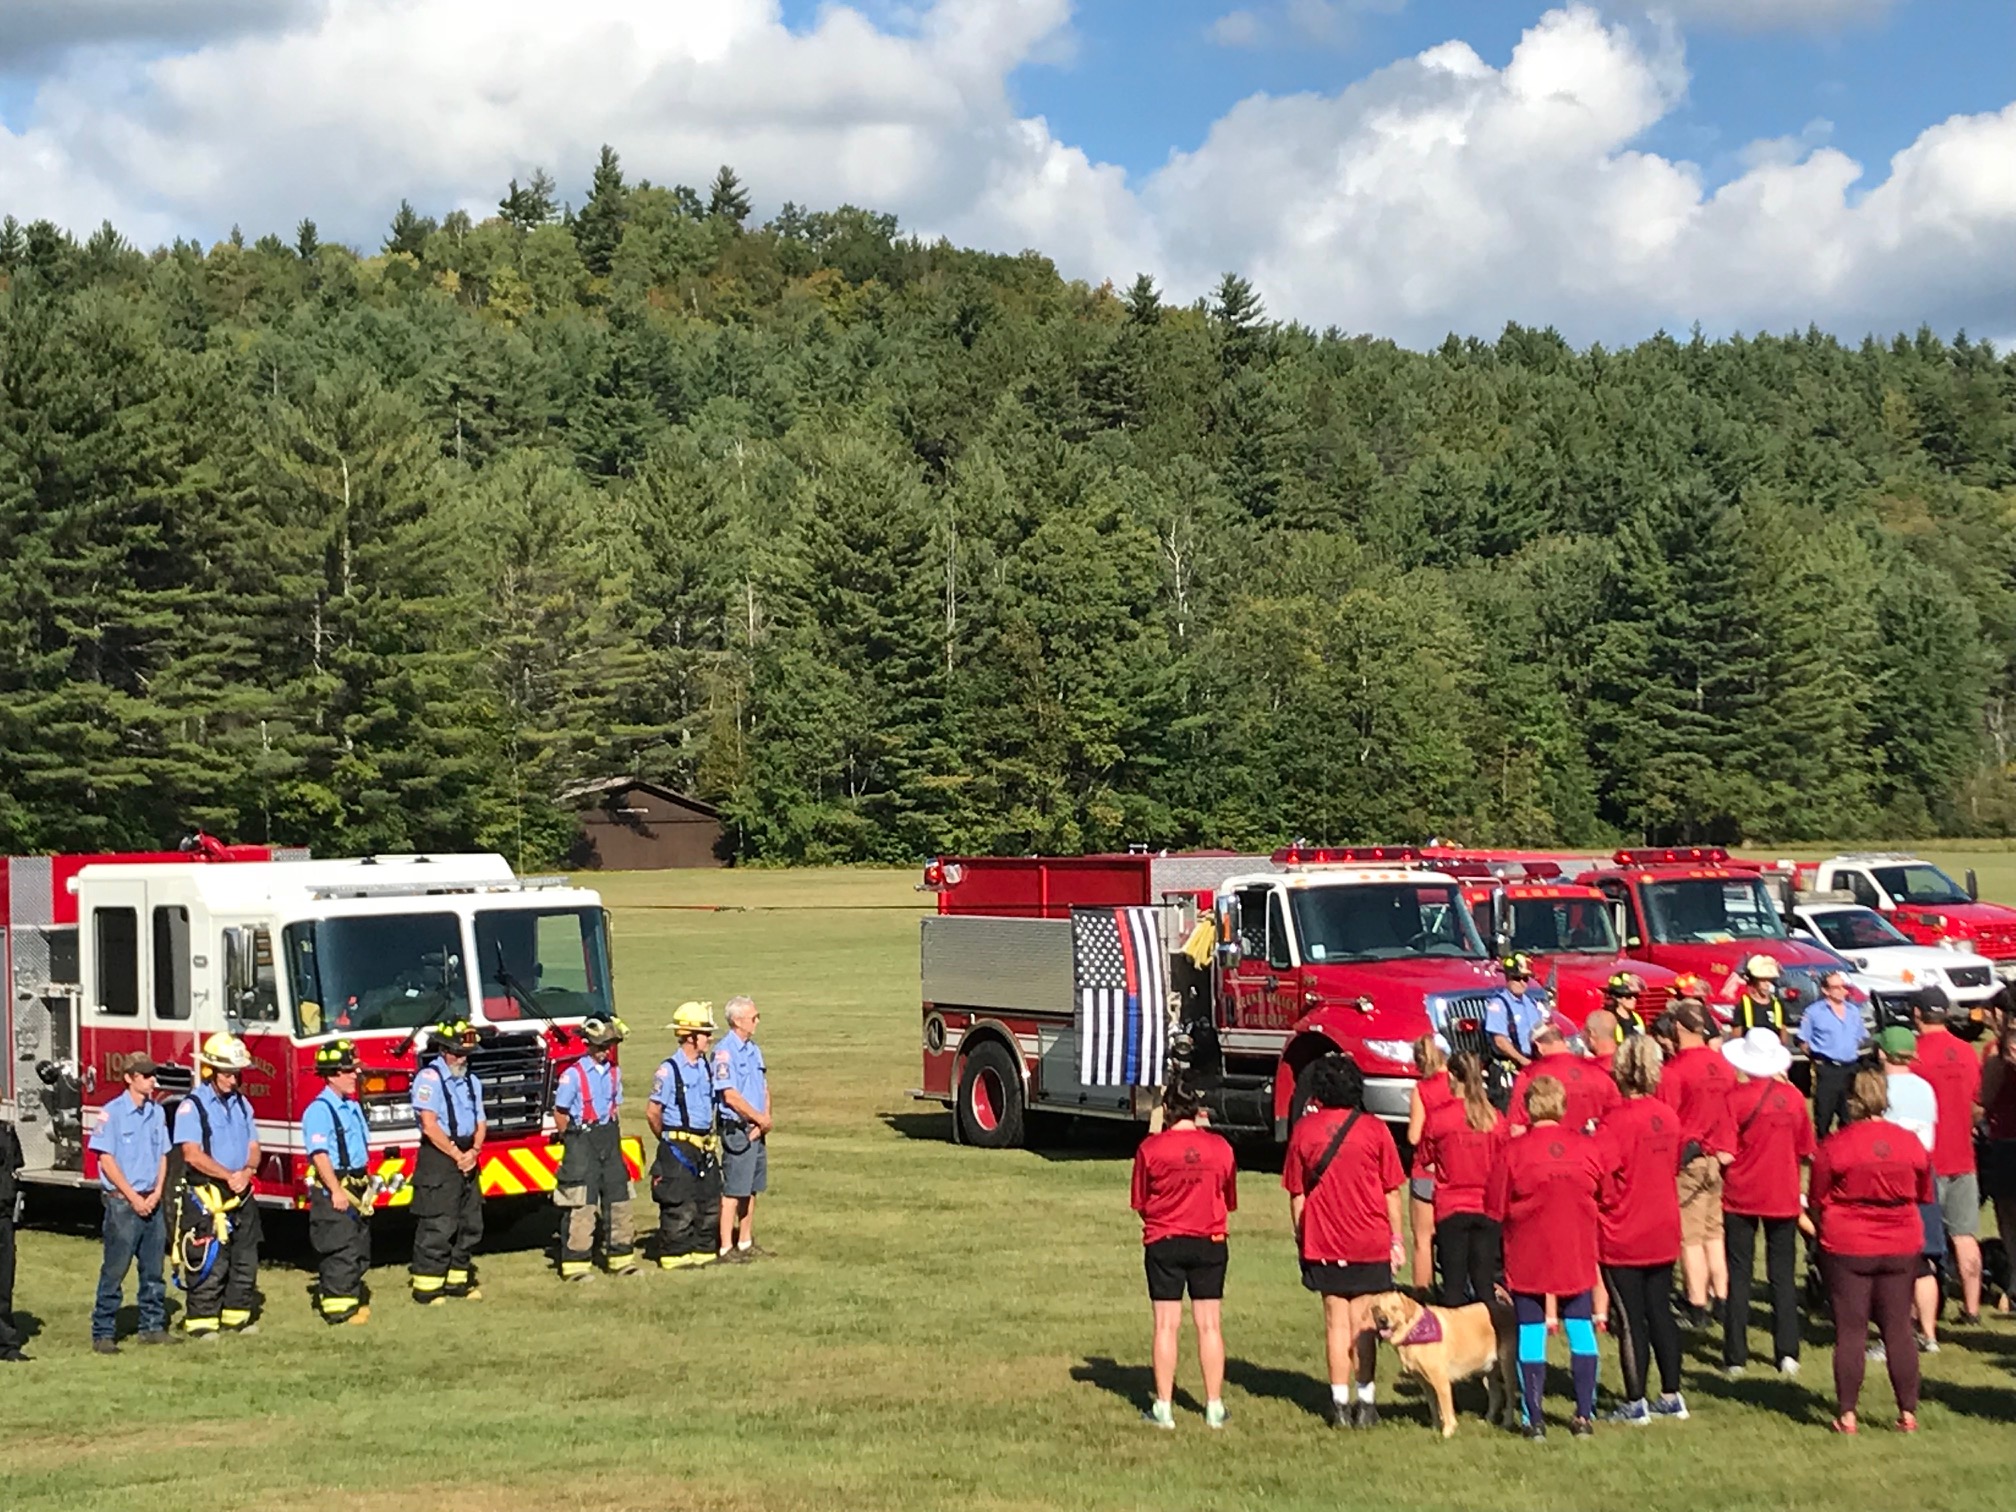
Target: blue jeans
128,1237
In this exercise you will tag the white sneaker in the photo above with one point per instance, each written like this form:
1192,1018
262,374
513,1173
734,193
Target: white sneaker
1159,1415
1214,1415
1788,1366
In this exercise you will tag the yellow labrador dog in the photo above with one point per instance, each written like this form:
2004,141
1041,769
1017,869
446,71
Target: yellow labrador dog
1442,1345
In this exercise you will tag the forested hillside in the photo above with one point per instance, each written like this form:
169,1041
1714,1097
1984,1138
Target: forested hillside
891,548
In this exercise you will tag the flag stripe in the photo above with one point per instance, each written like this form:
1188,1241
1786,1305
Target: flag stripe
1121,992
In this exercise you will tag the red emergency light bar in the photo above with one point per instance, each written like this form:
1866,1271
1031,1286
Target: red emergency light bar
1699,855
939,875
1331,855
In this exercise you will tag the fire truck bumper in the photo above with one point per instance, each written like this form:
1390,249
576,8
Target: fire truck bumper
1387,1097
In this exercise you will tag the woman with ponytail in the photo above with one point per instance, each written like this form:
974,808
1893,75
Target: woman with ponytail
1430,1092
1459,1143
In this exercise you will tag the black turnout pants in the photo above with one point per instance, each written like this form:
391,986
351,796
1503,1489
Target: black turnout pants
1468,1250
1641,1318
226,1297
689,1204
342,1244
1781,1273
447,1226
10,1334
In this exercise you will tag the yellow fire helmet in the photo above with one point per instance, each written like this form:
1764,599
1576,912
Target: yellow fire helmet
1761,968
693,1018
458,1038
1518,964
335,1058
224,1052
601,1031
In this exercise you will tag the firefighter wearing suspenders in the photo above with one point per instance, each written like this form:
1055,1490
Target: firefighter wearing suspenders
686,1175
447,1186
1621,995
1758,1006
217,1221
593,1182
340,1196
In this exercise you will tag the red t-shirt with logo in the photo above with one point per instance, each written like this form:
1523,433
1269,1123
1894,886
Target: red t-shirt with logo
1696,1084
1949,1063
1344,1221
1763,1180
1434,1092
1544,1188
1640,1140
1868,1182
1458,1157
1185,1182
1591,1092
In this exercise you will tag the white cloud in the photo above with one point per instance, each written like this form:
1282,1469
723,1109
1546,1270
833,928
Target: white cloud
1239,28
1320,23
1440,192
32,29
1765,15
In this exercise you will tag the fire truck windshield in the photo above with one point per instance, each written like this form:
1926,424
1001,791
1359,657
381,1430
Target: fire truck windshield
1554,926
559,958
1918,883
376,971
1383,922
1711,910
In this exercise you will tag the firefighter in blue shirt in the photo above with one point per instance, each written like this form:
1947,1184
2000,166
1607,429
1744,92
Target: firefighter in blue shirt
686,1175
742,1087
447,1184
1515,1011
593,1182
216,1219
340,1200
131,1142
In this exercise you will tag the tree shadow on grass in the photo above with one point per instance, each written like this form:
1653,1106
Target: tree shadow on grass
1134,1384
1295,1387
1773,1393
1997,1404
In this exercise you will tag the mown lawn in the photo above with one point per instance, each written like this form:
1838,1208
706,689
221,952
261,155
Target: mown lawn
943,1327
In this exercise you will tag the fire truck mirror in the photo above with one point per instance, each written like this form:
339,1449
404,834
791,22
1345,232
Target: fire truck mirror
239,971
1973,887
1501,922
1230,931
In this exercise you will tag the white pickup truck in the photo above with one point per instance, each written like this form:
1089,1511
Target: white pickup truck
1876,948
1926,905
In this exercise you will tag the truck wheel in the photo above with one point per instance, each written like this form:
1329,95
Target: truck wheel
990,1098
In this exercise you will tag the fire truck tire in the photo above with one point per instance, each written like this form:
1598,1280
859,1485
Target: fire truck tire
990,1110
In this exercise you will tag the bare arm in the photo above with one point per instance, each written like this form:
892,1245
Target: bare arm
1417,1114
120,1184
1296,1202
739,1105
1507,1049
654,1115
1394,1205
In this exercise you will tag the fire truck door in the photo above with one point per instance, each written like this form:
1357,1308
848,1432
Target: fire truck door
115,981
1263,993
171,1025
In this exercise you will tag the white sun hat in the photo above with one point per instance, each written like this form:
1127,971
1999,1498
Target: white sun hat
1760,1054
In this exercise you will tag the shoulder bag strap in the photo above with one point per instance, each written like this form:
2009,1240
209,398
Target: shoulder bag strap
1322,1167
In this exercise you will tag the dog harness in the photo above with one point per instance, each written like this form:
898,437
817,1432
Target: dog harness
1427,1329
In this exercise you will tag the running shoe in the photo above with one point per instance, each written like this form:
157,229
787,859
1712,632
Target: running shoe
1672,1405
1159,1415
1637,1413
1214,1415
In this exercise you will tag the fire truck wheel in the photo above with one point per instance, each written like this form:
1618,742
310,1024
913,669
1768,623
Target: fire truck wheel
990,1098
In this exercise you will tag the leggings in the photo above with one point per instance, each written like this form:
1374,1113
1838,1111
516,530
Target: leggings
1576,1313
1467,1247
1781,1273
1857,1287
1641,1317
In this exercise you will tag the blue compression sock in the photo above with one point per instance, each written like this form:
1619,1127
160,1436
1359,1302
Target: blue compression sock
1532,1367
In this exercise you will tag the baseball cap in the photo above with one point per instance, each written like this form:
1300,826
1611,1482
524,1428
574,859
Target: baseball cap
139,1063
1897,1041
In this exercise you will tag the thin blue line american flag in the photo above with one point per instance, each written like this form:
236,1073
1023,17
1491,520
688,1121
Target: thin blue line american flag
1122,986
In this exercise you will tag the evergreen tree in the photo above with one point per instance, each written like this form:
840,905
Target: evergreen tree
726,198
598,230
306,242
409,231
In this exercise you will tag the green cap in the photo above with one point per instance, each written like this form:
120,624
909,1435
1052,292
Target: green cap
1898,1042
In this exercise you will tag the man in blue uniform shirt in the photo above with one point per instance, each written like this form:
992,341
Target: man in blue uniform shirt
447,1190
337,1139
1515,1011
1833,1033
593,1182
220,1154
131,1142
686,1175
742,1089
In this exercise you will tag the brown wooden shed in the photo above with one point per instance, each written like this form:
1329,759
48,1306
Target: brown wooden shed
630,824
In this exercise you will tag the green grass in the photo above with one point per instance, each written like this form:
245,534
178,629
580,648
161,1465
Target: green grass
944,1327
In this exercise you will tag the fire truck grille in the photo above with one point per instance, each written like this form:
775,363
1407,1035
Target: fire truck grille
1996,944
1970,976
517,1082
1463,1025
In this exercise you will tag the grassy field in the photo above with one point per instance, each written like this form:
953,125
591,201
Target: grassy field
943,1327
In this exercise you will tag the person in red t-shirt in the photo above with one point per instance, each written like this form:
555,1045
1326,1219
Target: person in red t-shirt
1185,1183
1343,1177
1869,1179
1639,1238
1589,1091
1458,1148
1953,1068
1545,1188
1696,1083
1431,1091
1760,1189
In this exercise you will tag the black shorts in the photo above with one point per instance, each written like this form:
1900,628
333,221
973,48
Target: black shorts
1185,1262
1333,1279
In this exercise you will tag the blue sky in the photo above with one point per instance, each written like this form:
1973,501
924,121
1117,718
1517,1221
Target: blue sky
1580,164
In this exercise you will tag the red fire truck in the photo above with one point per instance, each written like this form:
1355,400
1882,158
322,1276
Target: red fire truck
1317,952
106,955
1697,909
1925,904
1567,927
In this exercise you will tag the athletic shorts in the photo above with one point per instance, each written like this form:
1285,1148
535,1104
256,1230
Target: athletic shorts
1422,1188
1960,1205
1332,1279
745,1164
1701,1201
1183,1263
1934,1229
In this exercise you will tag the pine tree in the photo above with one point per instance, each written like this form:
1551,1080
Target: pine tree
727,199
599,228
409,231
1143,301
530,206
306,242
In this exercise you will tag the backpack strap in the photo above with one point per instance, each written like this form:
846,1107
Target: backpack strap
1322,1167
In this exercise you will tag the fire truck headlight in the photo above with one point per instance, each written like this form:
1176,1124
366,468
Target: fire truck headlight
1400,1051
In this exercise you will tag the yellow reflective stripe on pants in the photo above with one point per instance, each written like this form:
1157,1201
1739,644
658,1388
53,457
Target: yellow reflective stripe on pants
336,1306
200,1325
683,1262
457,1278
574,1267
429,1283
236,1317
